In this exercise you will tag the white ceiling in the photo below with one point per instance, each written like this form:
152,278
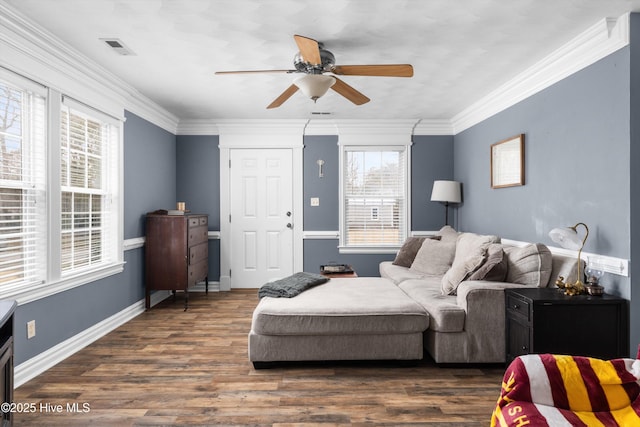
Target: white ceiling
460,50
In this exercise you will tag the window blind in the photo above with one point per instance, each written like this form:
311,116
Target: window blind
85,138
22,182
374,190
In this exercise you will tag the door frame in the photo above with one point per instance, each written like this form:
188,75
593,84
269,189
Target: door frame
287,134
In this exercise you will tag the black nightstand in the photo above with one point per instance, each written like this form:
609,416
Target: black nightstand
545,320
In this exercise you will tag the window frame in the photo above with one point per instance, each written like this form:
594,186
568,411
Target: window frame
49,250
36,159
360,143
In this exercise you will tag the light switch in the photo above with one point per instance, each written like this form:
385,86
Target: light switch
315,201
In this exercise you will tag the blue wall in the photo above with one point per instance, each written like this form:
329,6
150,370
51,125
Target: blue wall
576,167
149,171
198,185
431,159
326,216
576,134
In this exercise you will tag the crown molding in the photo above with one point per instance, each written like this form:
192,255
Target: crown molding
321,127
261,133
375,132
35,53
433,127
143,107
261,126
197,127
597,42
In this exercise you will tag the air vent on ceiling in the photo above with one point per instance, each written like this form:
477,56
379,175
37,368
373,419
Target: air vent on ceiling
118,46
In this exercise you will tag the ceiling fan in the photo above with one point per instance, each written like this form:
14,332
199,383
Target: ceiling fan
319,69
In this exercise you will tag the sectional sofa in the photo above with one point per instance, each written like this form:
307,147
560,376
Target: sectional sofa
442,293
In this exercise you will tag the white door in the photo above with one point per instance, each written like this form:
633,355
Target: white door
261,198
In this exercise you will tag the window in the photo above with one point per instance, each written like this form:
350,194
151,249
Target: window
84,172
60,213
374,202
22,183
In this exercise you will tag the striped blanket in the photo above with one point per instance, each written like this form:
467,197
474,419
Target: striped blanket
559,391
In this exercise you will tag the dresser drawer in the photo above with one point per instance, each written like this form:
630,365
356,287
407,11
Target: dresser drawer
197,235
197,221
197,272
198,252
518,307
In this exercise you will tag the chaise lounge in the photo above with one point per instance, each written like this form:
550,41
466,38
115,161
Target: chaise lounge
444,294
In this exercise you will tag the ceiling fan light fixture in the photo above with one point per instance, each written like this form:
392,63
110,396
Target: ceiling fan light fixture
314,86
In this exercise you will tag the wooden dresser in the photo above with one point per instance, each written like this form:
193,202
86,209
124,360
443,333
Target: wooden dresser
176,253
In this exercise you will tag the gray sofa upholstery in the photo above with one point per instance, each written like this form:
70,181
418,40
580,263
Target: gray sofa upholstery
398,314
343,319
468,327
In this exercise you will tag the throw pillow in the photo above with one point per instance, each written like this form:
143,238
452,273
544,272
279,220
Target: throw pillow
529,265
448,234
434,257
471,249
495,266
409,249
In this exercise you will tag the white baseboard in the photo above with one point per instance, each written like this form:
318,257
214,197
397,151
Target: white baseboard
56,354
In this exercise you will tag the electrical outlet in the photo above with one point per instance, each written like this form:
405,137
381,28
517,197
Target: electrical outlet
315,201
31,329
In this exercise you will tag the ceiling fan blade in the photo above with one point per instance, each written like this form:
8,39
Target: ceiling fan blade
254,71
349,92
309,49
390,70
283,97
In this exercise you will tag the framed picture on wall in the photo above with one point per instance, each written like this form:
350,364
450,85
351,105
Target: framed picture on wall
507,162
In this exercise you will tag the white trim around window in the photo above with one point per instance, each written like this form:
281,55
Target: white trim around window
108,257
393,141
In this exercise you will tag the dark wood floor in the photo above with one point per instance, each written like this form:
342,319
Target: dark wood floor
170,367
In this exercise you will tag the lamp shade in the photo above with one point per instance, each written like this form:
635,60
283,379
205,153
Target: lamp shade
314,85
446,191
568,238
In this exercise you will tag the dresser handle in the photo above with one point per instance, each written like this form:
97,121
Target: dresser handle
524,348
516,306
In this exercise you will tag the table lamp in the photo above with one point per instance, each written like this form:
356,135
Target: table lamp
568,238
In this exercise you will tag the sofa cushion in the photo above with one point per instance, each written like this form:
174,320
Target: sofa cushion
529,265
494,268
434,257
396,273
448,234
409,249
363,305
469,256
445,315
